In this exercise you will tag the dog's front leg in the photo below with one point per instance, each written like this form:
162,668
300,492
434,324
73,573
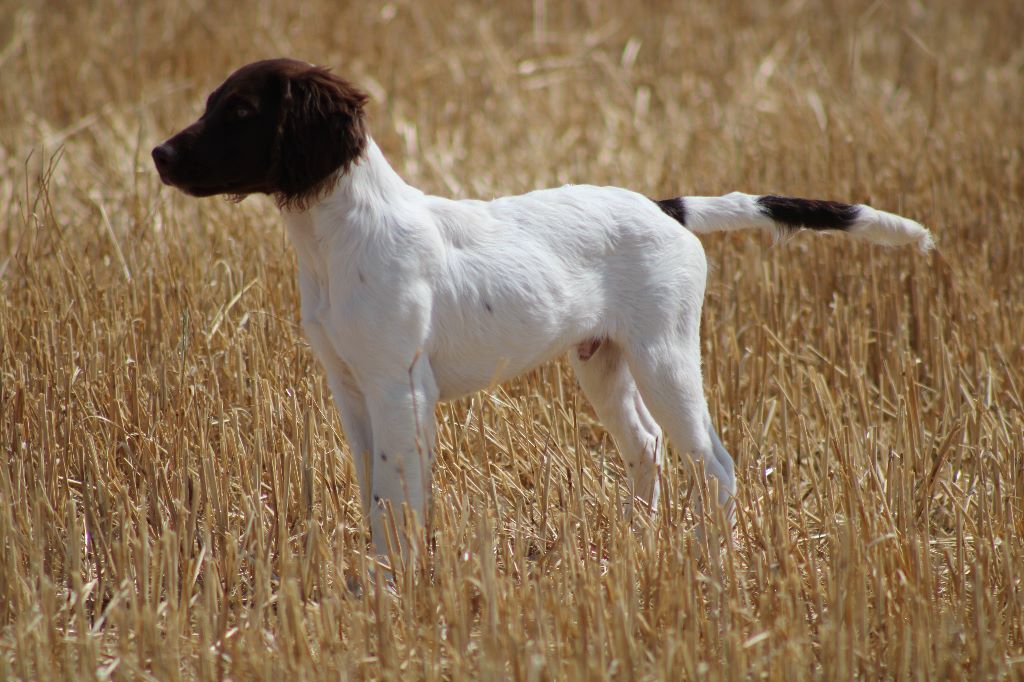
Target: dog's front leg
401,406
355,422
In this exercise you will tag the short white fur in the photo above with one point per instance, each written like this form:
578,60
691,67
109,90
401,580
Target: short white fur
408,299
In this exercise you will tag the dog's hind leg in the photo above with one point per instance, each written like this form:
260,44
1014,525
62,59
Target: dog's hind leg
605,379
669,379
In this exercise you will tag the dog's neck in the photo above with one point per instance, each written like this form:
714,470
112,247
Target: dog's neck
363,203
369,187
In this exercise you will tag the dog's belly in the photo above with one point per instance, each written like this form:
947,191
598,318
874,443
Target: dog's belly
455,379
460,373
473,352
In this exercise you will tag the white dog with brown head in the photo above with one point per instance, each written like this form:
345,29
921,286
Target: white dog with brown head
408,299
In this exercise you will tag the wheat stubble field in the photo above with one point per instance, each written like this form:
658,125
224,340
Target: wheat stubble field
177,497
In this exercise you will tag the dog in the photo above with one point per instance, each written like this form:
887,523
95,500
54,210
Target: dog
409,299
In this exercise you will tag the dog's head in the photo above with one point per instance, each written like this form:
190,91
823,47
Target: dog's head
280,127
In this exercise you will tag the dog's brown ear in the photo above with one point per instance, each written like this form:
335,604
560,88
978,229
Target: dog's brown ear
323,131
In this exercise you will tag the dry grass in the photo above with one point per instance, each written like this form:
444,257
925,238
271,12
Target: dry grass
177,500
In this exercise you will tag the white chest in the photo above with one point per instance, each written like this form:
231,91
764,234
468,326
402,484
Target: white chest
314,287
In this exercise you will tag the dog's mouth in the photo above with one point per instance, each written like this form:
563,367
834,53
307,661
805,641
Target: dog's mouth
190,187
201,190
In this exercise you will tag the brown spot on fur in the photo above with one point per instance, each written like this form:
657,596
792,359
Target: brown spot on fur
813,214
674,208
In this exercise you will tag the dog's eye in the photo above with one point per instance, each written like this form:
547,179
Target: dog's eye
242,112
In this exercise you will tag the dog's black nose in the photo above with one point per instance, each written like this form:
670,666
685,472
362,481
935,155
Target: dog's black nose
163,155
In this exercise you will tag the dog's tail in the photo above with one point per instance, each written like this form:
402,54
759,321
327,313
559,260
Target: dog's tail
738,211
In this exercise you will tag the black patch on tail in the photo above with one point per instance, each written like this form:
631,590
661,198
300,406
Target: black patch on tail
674,208
811,213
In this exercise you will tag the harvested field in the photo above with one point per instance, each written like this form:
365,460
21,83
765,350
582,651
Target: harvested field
177,496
